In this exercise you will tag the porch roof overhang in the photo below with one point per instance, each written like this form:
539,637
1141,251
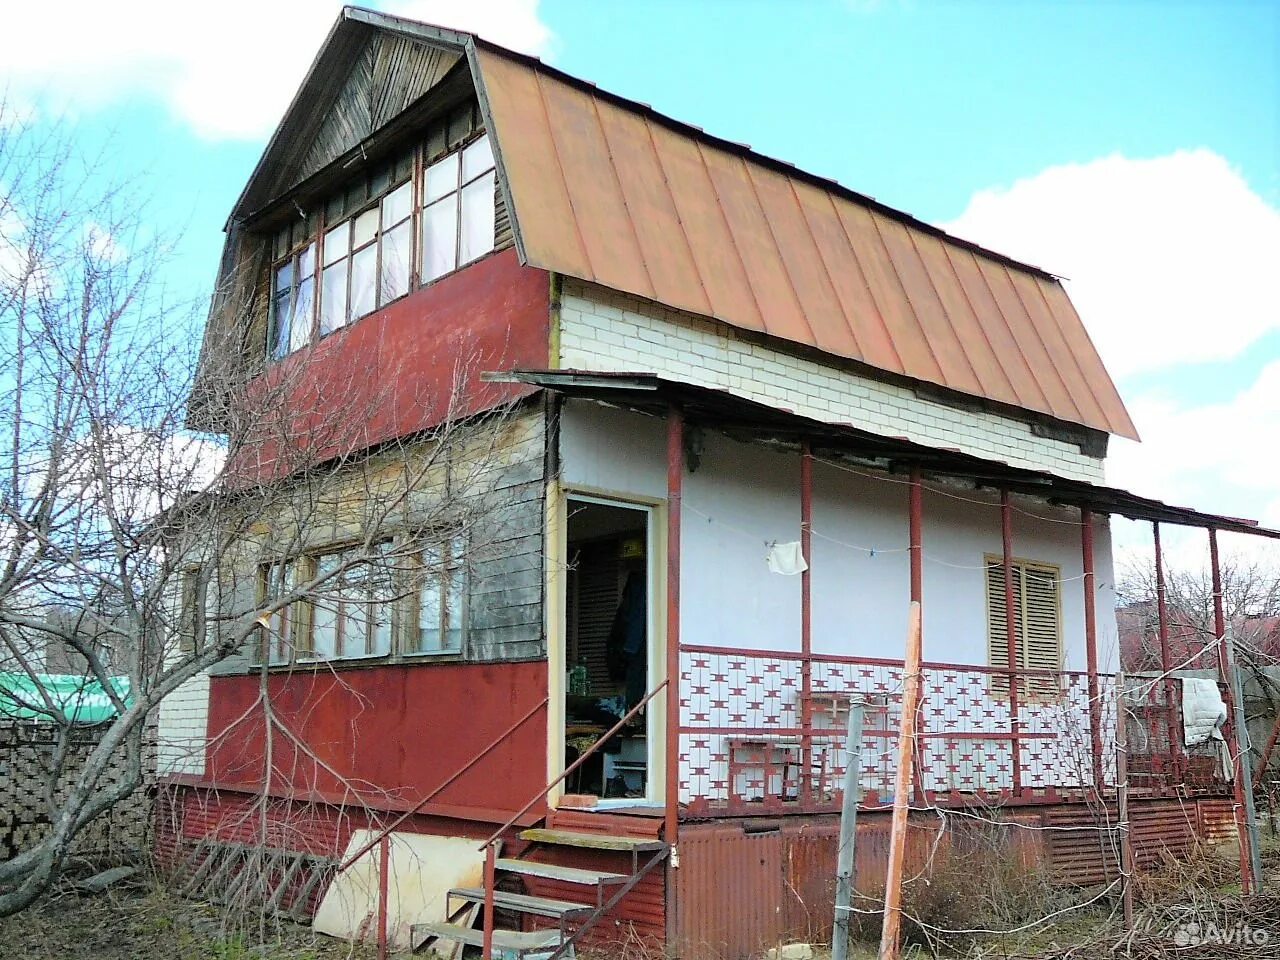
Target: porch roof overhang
748,420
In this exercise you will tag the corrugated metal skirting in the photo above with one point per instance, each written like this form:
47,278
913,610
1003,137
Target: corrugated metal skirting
743,886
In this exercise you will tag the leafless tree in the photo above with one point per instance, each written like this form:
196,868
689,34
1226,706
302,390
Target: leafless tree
1251,606
167,520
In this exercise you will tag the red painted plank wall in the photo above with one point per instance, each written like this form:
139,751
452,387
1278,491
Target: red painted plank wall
392,733
407,367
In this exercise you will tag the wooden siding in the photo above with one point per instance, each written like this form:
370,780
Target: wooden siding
387,75
493,315
504,561
505,603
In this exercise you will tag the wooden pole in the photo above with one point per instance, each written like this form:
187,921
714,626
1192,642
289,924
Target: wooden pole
1122,801
889,934
675,492
1244,770
384,867
846,861
490,878
1227,672
915,534
671,812
1166,661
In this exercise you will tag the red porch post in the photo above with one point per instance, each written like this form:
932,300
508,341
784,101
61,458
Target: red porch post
806,623
675,487
1166,659
1091,644
916,514
1228,728
915,511
1011,637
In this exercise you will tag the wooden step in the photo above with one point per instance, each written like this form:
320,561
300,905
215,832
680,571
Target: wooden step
590,841
553,871
512,940
523,903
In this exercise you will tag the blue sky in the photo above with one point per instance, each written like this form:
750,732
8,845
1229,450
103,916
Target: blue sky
1133,147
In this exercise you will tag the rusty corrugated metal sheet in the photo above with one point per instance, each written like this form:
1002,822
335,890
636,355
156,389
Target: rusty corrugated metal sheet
739,892
743,886
611,192
728,892
1217,821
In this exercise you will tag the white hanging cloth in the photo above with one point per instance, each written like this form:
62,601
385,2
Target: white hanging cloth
786,559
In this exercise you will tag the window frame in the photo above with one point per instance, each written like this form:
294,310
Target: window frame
455,548
454,196
295,646
292,259
369,604
375,202
293,616
359,197
188,607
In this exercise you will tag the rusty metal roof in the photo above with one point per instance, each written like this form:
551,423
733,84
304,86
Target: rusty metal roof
609,191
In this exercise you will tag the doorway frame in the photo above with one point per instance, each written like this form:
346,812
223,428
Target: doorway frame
558,500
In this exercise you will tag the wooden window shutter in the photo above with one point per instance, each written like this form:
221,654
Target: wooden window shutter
1037,624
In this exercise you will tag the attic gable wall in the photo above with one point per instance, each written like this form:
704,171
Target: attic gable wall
363,79
389,74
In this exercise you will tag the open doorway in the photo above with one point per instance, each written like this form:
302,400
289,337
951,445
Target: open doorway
608,648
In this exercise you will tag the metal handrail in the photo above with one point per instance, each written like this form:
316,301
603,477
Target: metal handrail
575,765
439,789
490,845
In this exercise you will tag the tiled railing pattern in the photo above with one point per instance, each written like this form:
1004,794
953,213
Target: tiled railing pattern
749,743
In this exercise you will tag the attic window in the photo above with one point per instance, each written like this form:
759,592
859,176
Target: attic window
293,291
366,260
457,209
326,276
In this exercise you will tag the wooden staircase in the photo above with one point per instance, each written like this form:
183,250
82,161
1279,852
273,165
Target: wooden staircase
597,891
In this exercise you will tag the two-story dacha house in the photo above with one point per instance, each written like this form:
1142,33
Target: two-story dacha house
753,415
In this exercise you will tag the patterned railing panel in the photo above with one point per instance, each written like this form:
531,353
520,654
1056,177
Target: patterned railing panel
750,742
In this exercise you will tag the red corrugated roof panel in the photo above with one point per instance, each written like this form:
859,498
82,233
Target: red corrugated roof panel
608,191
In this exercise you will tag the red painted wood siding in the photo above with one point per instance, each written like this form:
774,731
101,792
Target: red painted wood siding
407,367
394,732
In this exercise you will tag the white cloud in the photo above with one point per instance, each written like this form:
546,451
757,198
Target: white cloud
1171,260
1220,457
1173,264
228,69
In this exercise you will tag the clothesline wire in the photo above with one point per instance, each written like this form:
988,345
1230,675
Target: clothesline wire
870,551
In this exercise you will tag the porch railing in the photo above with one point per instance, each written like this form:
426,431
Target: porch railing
745,745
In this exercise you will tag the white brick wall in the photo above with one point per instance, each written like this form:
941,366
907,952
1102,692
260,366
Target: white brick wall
184,718
604,330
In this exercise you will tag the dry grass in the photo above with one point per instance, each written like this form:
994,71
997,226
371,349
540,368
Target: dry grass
137,918
1187,909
